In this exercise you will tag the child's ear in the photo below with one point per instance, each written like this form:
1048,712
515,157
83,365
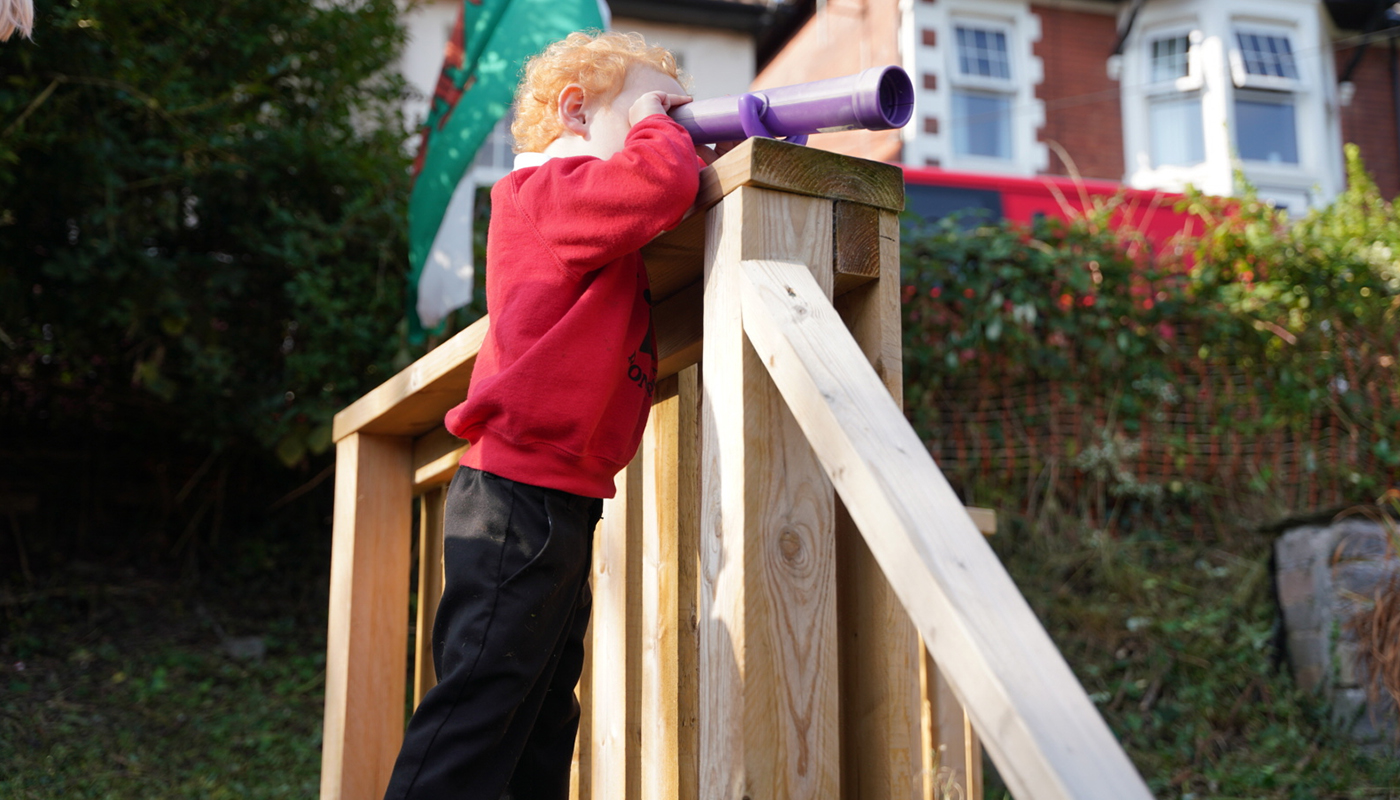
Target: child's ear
571,110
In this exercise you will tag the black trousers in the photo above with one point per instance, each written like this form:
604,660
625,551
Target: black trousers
507,645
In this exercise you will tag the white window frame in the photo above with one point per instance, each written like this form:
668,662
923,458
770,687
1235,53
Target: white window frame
928,143
1223,80
1191,81
1186,86
960,82
986,83
1264,96
1243,78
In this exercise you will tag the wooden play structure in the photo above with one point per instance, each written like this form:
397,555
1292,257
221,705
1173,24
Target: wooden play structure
789,599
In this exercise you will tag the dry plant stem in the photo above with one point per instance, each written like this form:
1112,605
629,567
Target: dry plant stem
1377,632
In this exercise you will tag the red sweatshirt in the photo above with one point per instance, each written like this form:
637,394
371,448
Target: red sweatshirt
561,389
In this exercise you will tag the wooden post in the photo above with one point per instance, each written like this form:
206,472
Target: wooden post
768,662
671,497
430,579
616,628
367,635
880,703
954,757
1047,738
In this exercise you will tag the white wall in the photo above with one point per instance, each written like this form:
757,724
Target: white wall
428,25
719,62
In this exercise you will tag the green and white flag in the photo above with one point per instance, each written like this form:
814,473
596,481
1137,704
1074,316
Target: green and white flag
489,45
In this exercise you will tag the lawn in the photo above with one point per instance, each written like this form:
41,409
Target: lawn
117,685
124,689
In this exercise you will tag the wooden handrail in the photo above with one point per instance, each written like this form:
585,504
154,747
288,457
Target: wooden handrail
1045,735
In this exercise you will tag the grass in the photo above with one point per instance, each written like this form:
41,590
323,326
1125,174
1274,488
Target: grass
124,690
1177,640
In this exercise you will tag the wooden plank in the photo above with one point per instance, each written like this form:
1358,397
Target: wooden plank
679,330
581,771
1043,732
771,164
857,246
688,583
660,600
436,456
768,660
616,628
882,739
675,259
430,580
413,401
985,519
367,634
956,764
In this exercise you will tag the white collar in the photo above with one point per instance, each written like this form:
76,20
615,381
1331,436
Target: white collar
523,160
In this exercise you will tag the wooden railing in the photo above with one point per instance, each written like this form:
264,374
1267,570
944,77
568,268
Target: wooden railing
782,556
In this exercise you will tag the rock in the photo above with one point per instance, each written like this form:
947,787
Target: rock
245,648
1326,574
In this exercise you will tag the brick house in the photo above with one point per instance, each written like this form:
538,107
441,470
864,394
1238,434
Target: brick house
1156,94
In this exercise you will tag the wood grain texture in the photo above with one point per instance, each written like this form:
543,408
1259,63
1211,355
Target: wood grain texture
857,245
660,600
413,401
430,582
436,456
617,652
688,582
795,169
882,738
768,661
367,631
1042,730
581,771
956,765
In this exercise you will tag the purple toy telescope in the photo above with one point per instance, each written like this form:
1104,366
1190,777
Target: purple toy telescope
877,99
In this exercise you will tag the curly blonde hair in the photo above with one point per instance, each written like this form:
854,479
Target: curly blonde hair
596,61
16,15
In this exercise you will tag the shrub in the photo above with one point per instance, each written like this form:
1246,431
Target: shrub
201,215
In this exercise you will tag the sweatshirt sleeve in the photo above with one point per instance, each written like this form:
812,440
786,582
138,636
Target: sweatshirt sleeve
589,212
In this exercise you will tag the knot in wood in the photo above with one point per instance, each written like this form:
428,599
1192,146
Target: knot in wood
790,545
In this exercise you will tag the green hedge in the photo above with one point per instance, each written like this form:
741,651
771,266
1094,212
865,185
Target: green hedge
1262,333
201,216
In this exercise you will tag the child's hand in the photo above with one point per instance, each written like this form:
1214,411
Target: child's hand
709,155
654,103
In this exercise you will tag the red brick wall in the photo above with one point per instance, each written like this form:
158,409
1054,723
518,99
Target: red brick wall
1369,122
1082,109
847,36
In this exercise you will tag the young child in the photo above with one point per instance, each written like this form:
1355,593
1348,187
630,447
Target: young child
16,16
558,401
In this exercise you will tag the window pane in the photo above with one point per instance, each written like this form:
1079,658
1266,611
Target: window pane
1169,58
1176,132
496,152
983,53
1265,130
1266,54
982,125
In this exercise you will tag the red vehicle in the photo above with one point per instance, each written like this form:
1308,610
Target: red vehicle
936,193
